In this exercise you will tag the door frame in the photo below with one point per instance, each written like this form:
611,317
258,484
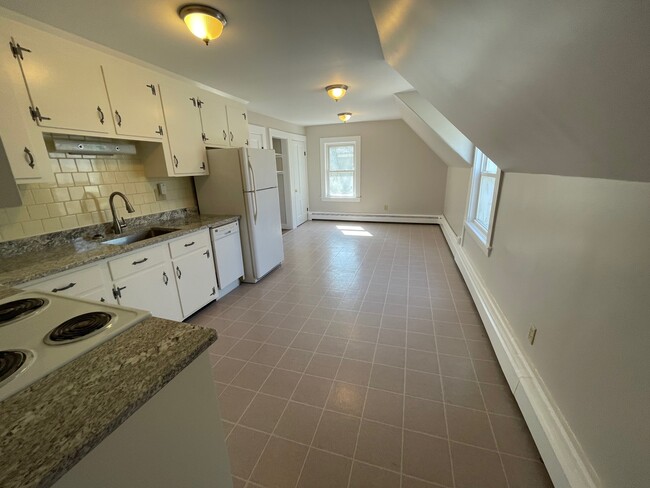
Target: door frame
289,170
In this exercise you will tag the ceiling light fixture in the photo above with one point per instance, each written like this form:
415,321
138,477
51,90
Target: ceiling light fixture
336,92
204,22
345,116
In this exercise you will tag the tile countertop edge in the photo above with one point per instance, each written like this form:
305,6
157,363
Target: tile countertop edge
49,436
43,268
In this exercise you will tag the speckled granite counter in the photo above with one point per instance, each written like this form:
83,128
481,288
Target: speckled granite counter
63,255
47,428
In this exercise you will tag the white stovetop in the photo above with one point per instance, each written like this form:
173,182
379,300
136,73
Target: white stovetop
27,334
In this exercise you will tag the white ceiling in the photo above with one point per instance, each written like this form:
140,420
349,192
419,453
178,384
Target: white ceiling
276,54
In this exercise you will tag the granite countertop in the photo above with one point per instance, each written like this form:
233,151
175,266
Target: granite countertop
65,253
50,426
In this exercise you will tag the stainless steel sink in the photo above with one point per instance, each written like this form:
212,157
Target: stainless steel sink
139,236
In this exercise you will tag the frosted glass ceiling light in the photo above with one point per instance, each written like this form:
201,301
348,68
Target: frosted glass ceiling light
345,116
204,22
336,92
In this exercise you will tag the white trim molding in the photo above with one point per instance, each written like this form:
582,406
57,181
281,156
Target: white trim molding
370,217
565,461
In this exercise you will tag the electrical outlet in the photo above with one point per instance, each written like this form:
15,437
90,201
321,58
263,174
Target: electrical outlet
386,207
532,333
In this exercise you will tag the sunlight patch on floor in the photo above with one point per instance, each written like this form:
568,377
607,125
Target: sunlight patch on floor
353,230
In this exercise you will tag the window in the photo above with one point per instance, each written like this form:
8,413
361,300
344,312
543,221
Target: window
340,169
483,195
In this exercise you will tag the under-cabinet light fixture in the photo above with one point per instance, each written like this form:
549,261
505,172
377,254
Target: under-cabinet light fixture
345,116
336,92
204,22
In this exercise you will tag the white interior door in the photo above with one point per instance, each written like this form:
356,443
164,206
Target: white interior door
265,230
299,195
257,137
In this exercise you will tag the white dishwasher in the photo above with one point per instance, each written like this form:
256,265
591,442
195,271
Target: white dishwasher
227,257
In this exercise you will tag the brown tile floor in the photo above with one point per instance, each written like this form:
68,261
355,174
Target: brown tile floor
362,362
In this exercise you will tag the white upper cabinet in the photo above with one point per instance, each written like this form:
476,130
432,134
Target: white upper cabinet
183,124
237,125
214,119
135,101
22,141
64,82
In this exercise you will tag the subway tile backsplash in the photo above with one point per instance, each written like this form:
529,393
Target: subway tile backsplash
79,197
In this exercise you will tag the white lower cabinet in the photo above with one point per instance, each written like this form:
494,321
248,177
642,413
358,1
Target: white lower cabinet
88,282
196,280
172,280
152,289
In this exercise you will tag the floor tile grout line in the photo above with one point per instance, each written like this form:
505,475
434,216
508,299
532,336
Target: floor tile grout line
283,411
363,410
494,438
444,397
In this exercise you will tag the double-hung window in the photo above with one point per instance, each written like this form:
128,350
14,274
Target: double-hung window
340,168
483,195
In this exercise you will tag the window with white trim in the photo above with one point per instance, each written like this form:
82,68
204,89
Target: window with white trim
483,196
340,168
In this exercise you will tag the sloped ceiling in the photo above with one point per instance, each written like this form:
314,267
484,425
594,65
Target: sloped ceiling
541,87
435,130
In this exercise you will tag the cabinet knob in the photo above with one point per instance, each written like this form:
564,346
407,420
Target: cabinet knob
178,272
101,115
203,165
224,135
175,161
160,130
165,278
118,117
152,87
231,136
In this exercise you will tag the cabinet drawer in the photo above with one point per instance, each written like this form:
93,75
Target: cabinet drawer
137,261
189,243
74,283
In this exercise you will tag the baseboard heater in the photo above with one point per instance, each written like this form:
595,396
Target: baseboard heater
370,217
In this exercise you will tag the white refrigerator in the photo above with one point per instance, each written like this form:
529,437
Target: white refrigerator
244,182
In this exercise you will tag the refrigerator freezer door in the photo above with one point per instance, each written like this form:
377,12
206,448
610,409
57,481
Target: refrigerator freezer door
258,169
265,230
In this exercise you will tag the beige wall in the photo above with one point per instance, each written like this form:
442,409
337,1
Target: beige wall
397,169
80,196
570,255
456,197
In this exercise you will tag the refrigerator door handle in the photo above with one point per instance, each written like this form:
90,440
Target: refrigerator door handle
252,173
255,203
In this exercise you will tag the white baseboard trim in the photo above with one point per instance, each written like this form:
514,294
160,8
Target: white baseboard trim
368,217
563,456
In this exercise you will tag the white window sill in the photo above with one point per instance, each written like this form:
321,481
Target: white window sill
479,236
342,200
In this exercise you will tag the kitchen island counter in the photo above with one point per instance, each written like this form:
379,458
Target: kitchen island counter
50,426
29,259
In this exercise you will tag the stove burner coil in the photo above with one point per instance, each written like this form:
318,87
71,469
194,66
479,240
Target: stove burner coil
79,327
19,308
10,362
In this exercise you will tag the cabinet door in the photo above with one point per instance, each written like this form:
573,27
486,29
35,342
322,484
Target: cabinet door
183,124
23,144
152,289
135,102
196,280
237,125
214,119
230,266
64,81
